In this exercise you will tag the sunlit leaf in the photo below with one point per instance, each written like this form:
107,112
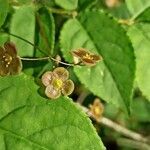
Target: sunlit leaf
29,121
140,37
23,25
136,7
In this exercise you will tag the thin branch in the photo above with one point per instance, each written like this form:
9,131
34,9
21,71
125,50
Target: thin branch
122,130
63,63
133,144
63,12
82,97
16,36
46,58
126,22
34,59
50,9
37,59
117,127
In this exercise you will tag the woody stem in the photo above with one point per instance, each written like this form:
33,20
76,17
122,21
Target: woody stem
117,127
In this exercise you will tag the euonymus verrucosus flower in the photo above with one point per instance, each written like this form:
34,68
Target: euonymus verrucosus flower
57,83
10,63
86,57
97,109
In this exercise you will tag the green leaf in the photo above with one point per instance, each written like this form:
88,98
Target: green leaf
111,79
84,4
24,1
120,11
31,122
144,106
3,38
144,17
47,3
140,37
23,25
136,7
45,31
67,4
3,11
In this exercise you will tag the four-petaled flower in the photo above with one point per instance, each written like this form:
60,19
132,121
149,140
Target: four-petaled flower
57,82
97,109
86,57
10,63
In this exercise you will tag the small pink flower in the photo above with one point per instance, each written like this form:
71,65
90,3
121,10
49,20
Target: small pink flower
57,83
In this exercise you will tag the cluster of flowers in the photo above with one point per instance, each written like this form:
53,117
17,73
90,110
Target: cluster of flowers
56,82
